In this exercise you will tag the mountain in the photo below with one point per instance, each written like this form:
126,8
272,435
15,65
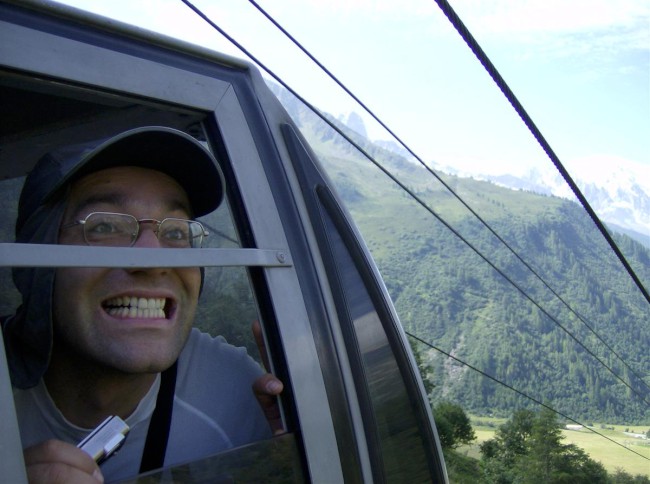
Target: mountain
355,123
617,190
457,287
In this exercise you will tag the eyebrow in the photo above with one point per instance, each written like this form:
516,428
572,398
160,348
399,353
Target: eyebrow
122,199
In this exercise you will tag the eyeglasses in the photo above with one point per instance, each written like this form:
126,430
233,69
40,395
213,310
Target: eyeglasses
121,230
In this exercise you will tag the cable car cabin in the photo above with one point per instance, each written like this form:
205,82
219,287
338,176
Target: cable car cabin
282,249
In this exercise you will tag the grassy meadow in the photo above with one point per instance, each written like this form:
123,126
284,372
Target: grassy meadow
608,453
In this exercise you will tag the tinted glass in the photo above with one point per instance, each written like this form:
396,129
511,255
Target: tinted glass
403,450
271,461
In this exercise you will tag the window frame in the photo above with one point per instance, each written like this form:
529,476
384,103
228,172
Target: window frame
338,239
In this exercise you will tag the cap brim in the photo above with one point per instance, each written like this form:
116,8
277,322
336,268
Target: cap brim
167,150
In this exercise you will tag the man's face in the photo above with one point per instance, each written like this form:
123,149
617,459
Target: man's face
89,327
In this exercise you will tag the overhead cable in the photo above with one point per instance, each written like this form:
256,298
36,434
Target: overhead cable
411,193
501,83
446,185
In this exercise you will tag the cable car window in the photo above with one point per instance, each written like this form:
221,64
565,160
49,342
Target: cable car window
40,116
275,461
401,439
10,190
403,451
34,122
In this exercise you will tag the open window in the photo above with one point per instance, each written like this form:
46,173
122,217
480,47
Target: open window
48,102
40,115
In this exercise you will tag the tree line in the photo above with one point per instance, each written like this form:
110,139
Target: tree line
527,449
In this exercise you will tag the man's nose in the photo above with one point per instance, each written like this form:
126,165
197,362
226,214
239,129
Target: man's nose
147,237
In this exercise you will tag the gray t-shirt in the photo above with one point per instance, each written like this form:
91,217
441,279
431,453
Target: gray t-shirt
214,409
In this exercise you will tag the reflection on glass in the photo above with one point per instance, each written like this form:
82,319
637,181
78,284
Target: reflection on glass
271,461
403,453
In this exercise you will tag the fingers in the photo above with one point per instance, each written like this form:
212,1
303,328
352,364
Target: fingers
266,389
268,384
259,340
54,461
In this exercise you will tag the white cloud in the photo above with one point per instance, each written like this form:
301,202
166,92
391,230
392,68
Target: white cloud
553,16
365,7
562,28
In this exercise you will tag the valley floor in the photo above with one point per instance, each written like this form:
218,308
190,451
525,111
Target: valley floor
608,453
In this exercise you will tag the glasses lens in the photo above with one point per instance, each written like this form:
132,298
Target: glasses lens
110,229
178,233
197,232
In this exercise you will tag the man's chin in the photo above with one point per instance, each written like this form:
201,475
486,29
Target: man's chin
144,367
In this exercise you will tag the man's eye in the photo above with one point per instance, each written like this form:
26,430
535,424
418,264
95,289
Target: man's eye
175,234
104,228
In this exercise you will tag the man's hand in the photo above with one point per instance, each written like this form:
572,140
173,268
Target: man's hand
268,387
57,462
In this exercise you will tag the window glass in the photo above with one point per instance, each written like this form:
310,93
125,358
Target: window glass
227,305
9,191
403,450
270,461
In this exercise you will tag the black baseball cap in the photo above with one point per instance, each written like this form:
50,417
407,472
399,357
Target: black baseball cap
164,149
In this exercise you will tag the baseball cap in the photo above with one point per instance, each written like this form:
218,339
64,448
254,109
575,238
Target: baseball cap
164,149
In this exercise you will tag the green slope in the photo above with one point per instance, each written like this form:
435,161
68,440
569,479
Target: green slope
448,295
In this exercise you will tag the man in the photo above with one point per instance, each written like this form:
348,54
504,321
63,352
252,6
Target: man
91,342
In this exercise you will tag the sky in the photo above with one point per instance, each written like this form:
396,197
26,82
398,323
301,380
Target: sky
580,68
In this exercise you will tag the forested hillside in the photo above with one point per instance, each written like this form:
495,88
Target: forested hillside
585,354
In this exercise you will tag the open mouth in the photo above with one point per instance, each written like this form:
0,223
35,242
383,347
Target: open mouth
137,307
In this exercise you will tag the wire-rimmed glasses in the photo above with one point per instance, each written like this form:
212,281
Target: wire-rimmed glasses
121,230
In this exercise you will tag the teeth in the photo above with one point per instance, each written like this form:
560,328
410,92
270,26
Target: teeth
133,307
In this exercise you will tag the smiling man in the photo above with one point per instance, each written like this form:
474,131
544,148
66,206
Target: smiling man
91,342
